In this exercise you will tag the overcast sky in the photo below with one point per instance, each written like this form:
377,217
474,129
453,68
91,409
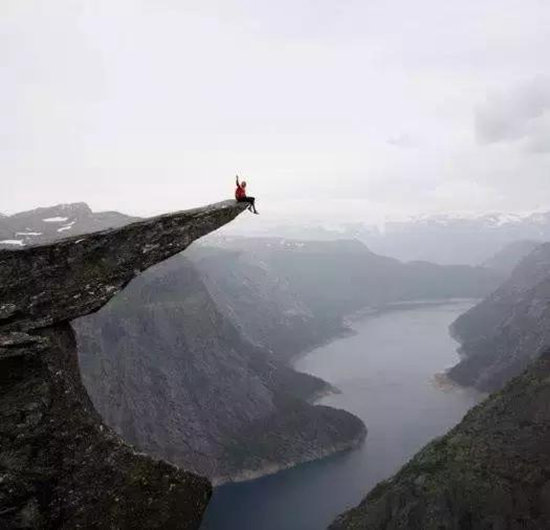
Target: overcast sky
340,109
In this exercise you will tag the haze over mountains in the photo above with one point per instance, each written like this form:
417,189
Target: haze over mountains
189,363
443,239
450,240
338,277
492,469
399,156
509,257
170,372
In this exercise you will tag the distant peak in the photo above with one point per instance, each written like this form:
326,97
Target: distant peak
58,210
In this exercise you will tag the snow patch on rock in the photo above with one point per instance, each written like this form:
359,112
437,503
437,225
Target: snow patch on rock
16,242
66,227
55,219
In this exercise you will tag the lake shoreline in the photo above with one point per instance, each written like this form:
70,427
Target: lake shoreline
372,312
389,372
273,469
315,399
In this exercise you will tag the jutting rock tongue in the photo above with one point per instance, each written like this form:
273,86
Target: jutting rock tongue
60,466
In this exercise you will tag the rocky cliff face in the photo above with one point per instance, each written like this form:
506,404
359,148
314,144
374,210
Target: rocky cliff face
176,377
267,306
319,282
60,467
501,335
188,363
491,471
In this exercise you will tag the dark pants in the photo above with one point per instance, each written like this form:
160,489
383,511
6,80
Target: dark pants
250,200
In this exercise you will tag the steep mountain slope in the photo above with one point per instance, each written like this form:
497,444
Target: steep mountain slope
501,335
491,471
509,257
173,375
332,279
246,300
223,319
265,306
60,467
248,296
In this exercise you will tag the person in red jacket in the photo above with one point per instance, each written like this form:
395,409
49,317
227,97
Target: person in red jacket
240,195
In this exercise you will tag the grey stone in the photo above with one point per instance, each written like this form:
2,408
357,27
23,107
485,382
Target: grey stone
60,466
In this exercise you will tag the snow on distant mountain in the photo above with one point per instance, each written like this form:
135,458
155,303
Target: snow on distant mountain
460,238
43,225
494,218
9,242
55,219
453,239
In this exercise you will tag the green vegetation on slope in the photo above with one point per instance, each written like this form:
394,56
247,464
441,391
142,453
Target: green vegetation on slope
491,471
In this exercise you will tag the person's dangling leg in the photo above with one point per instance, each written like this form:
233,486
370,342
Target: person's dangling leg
251,203
247,200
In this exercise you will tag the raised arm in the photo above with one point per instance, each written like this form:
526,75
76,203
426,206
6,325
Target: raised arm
237,179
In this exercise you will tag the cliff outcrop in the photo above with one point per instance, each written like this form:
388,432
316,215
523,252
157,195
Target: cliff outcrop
60,466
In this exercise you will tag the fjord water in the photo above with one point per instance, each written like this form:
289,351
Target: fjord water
386,373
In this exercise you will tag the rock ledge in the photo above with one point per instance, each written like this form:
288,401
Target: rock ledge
60,466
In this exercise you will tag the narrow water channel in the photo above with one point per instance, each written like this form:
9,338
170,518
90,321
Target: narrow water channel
387,376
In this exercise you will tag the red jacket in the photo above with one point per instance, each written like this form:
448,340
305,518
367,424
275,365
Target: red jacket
240,193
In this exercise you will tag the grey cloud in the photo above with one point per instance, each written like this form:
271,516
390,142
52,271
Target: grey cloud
539,140
521,114
151,106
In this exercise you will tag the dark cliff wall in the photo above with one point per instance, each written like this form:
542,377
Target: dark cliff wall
60,467
507,330
307,288
336,278
491,471
171,373
266,307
